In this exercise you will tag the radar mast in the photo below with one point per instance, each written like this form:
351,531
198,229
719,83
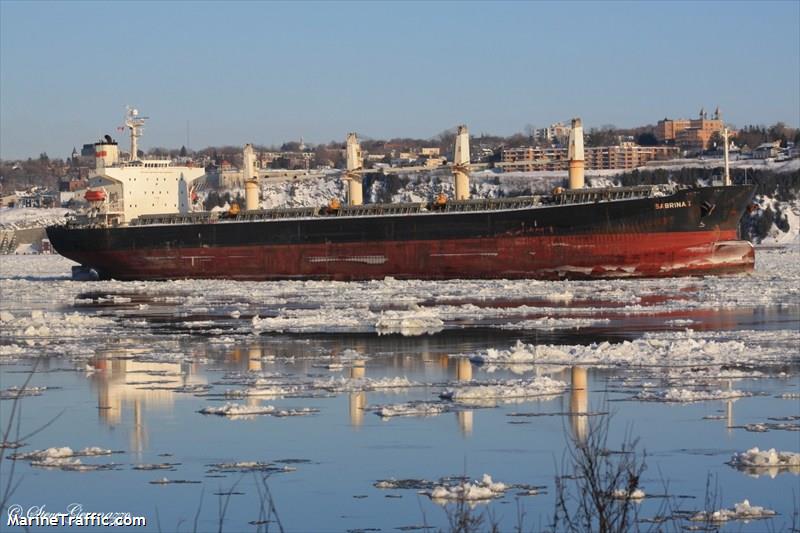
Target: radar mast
136,124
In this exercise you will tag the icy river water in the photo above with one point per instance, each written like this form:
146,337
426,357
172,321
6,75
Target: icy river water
378,406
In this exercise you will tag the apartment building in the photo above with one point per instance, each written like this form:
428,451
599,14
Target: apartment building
624,156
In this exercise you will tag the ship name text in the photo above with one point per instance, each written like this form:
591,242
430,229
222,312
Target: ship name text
673,205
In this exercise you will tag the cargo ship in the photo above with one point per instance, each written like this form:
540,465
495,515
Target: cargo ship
141,226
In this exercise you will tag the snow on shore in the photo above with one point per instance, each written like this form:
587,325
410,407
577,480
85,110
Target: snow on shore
29,217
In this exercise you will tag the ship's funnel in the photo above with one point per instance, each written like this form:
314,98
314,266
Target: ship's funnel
250,178
355,193
106,154
576,161
461,164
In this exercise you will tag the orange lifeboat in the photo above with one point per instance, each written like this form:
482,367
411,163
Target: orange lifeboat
95,195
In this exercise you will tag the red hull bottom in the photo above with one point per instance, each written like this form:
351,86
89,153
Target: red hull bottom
558,257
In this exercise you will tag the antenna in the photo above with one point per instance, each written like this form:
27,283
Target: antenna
136,124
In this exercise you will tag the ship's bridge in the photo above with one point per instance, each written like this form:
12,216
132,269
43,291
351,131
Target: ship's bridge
145,187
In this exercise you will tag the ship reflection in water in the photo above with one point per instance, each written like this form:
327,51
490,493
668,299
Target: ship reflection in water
579,404
121,381
128,388
464,373
357,401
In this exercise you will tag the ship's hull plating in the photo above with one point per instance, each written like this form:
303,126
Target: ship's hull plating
653,237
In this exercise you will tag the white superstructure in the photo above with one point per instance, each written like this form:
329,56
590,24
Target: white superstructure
140,186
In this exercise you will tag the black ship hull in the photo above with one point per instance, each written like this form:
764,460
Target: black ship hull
692,231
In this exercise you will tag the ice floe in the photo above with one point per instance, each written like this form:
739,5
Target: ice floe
49,324
65,458
551,323
249,466
485,489
15,392
33,282
410,409
755,462
342,384
623,494
508,390
740,511
167,481
156,466
324,318
237,410
686,396
411,322
659,349
61,453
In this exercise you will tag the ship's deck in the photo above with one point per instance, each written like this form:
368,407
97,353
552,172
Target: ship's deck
563,197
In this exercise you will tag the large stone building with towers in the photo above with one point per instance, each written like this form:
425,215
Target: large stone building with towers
691,135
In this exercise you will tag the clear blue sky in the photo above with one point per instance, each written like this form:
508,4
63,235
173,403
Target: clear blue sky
268,72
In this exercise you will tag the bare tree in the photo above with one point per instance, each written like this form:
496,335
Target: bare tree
595,491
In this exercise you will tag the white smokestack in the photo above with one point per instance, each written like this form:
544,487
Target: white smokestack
354,164
575,153
461,164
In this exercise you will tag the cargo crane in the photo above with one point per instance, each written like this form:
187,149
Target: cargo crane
460,167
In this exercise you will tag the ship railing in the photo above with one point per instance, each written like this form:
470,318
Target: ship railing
582,196
175,218
492,204
273,214
379,209
114,207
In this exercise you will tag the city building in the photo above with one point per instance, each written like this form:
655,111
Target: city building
767,150
554,133
8,200
691,135
626,156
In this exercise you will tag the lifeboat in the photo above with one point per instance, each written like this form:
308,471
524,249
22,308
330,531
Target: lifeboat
95,195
